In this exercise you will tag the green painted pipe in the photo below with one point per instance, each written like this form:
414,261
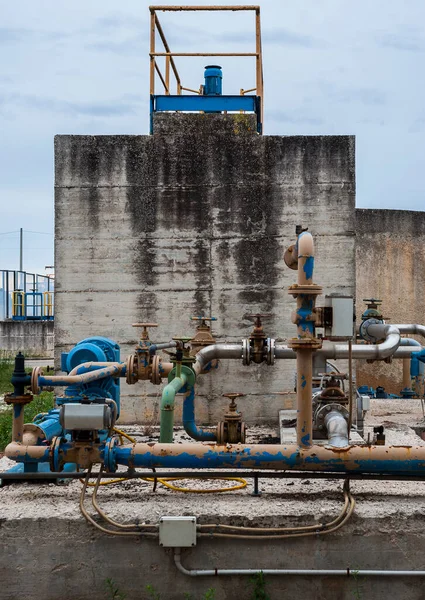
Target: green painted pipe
167,407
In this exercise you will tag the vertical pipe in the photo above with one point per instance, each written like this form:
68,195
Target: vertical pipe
350,386
18,423
21,249
406,374
304,398
152,49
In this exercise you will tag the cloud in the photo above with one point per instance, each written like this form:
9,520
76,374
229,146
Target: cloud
119,108
14,35
130,46
410,40
278,36
363,95
288,117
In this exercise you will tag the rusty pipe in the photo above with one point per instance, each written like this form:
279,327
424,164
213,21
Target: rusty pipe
113,370
305,246
304,398
350,459
90,365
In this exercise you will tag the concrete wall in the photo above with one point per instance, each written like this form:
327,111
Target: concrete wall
35,338
195,219
56,557
390,265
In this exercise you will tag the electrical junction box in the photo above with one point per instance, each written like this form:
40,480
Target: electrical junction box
339,317
177,532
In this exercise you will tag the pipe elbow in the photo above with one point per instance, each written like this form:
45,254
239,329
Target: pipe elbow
305,245
20,452
337,428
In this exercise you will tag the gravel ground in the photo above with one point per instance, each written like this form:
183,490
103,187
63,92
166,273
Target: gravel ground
281,502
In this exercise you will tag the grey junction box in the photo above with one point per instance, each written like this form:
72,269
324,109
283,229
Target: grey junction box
341,318
177,532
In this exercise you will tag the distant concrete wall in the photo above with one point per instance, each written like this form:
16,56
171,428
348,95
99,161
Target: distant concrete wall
195,219
35,338
390,265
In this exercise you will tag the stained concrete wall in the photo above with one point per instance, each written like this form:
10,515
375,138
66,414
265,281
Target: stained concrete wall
195,219
35,338
390,265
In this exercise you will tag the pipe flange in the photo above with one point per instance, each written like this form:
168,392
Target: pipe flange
319,417
363,330
109,459
131,374
271,343
156,373
305,290
36,372
246,352
55,462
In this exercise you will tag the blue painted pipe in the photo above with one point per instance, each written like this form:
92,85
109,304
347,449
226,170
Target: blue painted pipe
356,459
189,424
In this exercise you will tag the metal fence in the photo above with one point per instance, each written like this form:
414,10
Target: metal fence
26,296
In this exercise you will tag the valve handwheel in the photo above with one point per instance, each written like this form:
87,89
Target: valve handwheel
145,335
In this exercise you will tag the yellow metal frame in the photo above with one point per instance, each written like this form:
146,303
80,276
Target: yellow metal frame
16,294
170,64
47,304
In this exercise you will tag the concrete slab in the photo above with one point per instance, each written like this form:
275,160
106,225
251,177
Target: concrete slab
49,550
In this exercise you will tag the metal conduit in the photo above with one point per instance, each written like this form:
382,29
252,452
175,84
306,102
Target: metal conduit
309,572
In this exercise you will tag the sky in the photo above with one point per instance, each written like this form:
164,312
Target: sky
330,67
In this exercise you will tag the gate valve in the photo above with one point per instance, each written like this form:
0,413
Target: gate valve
380,435
256,347
232,430
203,336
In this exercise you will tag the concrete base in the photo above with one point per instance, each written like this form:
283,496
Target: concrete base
50,552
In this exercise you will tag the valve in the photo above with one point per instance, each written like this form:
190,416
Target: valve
380,435
145,334
203,336
232,429
258,347
182,354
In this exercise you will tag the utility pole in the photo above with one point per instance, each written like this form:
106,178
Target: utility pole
21,249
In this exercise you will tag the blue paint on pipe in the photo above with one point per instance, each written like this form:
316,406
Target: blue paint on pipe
309,267
189,424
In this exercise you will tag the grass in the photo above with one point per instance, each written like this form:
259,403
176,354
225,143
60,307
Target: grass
41,403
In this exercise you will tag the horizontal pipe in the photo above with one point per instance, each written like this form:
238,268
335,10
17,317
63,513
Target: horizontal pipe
351,459
154,347
300,572
209,8
411,328
111,371
337,429
88,366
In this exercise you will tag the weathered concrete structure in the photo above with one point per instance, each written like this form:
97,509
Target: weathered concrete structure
390,265
195,220
35,338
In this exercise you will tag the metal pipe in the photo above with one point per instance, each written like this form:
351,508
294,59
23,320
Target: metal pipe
351,459
167,407
209,353
304,398
154,347
113,370
300,572
189,424
337,428
88,366
412,328
18,423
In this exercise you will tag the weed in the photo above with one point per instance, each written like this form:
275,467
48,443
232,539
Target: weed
42,403
148,430
113,590
152,593
258,582
209,594
357,592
